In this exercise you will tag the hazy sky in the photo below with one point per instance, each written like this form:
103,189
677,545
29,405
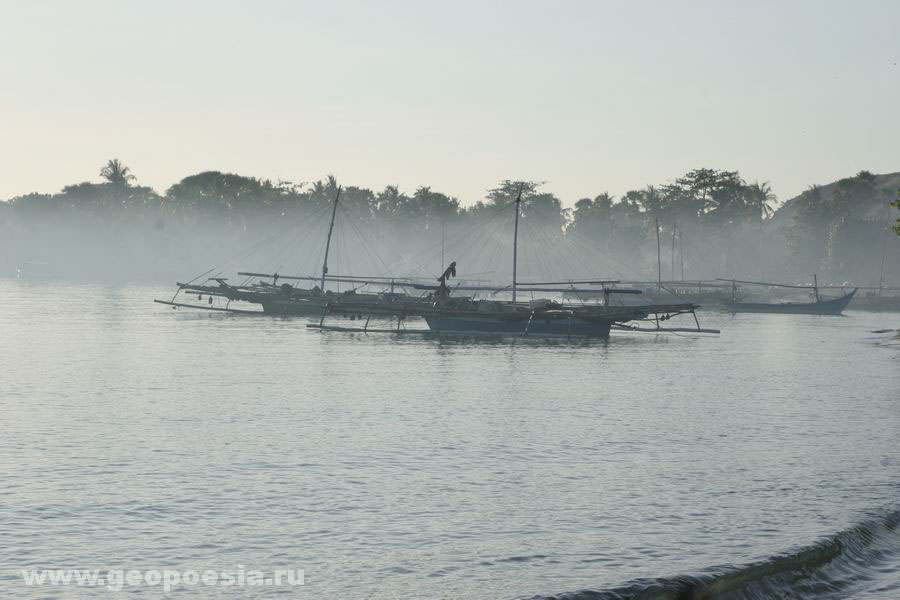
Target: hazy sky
588,96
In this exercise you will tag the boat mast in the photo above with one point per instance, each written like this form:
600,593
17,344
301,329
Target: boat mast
883,253
328,241
674,229
516,246
658,256
816,286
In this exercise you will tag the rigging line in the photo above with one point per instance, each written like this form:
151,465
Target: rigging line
555,259
526,255
276,262
367,224
548,238
573,262
402,256
348,256
280,259
538,234
368,246
591,269
504,236
468,255
498,214
501,241
485,229
551,260
258,246
255,247
252,250
300,246
496,233
580,239
493,213
579,243
490,233
597,255
344,266
349,213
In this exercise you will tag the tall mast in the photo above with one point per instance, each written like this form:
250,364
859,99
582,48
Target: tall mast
883,253
816,286
516,244
658,256
674,229
328,241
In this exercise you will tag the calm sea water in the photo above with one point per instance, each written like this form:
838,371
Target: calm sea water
752,464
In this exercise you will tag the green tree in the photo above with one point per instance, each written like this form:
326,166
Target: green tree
592,216
761,200
117,173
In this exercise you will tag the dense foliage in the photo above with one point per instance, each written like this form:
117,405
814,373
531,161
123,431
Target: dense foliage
716,223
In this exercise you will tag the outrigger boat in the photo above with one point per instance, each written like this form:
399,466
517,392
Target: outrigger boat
287,299
820,306
447,314
540,317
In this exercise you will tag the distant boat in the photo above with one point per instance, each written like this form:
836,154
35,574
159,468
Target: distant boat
831,306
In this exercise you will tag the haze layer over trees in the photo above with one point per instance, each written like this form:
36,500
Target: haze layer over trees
711,223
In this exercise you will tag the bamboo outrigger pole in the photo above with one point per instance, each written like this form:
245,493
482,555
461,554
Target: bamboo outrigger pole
328,241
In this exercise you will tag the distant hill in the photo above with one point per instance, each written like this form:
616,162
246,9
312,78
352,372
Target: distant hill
784,216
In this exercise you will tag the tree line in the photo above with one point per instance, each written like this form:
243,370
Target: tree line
715,212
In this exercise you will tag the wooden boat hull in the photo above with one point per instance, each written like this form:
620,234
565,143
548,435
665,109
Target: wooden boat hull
491,325
285,306
337,305
826,307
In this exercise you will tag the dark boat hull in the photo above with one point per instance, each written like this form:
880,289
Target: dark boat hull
490,325
826,307
284,306
338,305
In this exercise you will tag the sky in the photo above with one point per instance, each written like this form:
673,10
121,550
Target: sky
587,96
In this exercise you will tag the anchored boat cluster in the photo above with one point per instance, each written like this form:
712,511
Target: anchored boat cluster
443,309
587,308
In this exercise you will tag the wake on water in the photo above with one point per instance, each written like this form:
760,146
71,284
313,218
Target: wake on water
838,566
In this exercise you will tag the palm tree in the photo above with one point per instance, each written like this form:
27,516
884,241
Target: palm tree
116,173
762,199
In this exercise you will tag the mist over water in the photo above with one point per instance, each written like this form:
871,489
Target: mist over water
711,224
259,263
749,465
